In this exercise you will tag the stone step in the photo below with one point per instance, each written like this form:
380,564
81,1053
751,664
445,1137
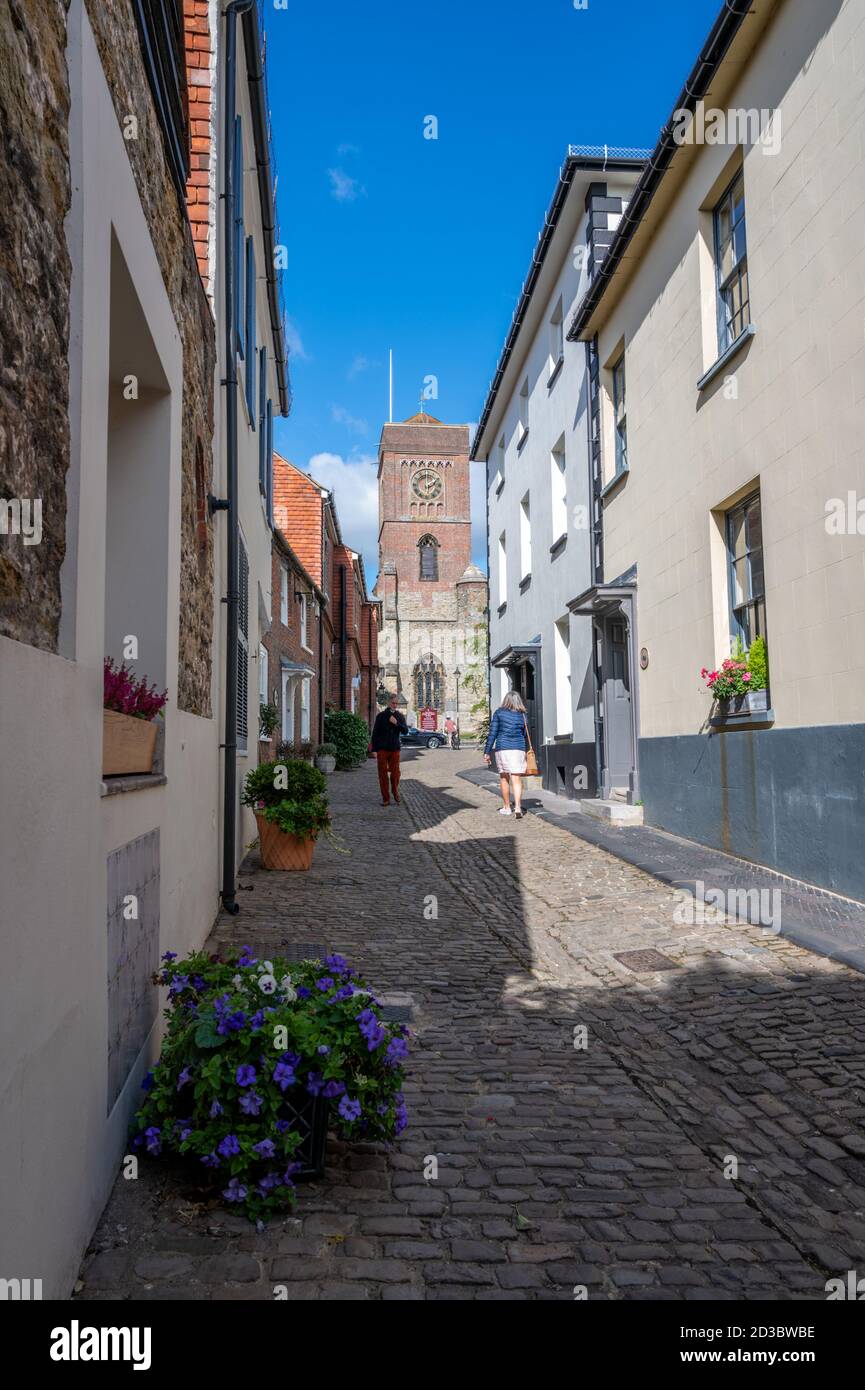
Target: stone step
617,812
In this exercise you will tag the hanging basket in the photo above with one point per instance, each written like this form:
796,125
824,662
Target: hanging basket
280,851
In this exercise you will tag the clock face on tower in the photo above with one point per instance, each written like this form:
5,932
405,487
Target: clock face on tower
426,484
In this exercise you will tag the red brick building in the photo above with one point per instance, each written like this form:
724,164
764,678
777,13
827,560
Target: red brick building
343,648
289,659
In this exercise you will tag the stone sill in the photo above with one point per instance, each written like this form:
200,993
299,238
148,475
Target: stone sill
558,546
134,782
748,719
551,381
725,357
499,487
525,583
501,608
523,439
614,481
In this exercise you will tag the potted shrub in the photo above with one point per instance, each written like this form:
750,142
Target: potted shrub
325,757
291,811
129,713
306,751
740,686
268,721
257,1057
350,734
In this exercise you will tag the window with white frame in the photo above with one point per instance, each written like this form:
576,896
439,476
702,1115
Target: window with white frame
620,416
503,568
262,684
558,491
524,410
500,459
562,643
287,709
304,709
731,265
525,537
557,337
283,596
303,622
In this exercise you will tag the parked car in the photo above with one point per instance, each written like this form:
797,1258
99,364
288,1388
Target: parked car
425,738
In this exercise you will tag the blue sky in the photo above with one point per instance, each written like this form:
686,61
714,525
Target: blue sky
420,245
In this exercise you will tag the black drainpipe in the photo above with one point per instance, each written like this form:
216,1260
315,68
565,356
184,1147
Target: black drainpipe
342,651
232,599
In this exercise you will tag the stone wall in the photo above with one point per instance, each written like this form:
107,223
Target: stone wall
116,34
35,275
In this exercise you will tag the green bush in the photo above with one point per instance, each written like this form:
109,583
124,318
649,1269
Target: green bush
269,784
758,665
326,750
350,734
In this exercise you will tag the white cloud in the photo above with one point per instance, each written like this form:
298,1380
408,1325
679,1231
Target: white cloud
360,364
343,187
341,416
294,340
354,484
347,149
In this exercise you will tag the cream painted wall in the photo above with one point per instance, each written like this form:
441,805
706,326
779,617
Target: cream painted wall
59,1152
797,425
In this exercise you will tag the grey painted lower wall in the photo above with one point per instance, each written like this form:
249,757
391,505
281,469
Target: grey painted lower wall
568,769
792,799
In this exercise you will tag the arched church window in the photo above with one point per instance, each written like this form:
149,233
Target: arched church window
428,547
428,683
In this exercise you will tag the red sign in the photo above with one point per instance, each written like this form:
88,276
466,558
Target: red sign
428,720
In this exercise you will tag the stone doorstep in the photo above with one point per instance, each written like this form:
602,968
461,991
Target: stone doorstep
616,812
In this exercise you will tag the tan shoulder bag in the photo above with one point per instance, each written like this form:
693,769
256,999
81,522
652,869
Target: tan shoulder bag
532,769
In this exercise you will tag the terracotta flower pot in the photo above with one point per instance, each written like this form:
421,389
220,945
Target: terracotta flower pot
127,744
281,851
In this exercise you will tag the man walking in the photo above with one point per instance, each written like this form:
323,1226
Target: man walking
388,726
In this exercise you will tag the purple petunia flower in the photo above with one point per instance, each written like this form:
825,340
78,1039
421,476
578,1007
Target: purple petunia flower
314,1082
228,1146
169,955
178,984
185,1075
245,1074
289,1174
268,1183
211,1161
349,1109
265,1148
323,1050
257,1021
251,1103
303,992
325,983
345,993
231,1023
153,1140
284,1075
397,1051
235,1192
401,1119
283,1126
246,957
199,983
333,1089
335,962
215,1109
149,1082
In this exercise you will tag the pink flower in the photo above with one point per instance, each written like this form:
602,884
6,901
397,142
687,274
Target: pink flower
746,675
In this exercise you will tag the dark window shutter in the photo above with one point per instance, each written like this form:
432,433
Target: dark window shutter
269,462
239,271
160,31
262,422
250,330
243,644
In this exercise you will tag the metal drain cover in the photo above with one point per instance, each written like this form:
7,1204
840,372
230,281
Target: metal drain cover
644,962
290,950
396,1006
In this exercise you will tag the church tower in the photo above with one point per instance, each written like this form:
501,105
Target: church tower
434,598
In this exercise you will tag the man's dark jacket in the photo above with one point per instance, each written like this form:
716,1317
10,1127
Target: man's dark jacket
386,735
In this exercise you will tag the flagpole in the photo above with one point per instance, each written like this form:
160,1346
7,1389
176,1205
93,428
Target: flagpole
390,389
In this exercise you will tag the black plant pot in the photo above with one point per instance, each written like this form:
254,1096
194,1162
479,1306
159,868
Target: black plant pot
754,702
308,1115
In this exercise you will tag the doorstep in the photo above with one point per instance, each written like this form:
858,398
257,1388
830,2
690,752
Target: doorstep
614,812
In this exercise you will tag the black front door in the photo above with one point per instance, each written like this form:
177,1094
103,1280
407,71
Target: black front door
616,705
523,680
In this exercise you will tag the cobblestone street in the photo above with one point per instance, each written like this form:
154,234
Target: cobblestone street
559,1167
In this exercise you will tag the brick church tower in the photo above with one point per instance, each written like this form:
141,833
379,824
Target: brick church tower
434,598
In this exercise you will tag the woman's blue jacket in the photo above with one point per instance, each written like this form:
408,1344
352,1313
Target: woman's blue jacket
507,730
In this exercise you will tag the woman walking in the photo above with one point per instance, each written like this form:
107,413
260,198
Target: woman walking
508,736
